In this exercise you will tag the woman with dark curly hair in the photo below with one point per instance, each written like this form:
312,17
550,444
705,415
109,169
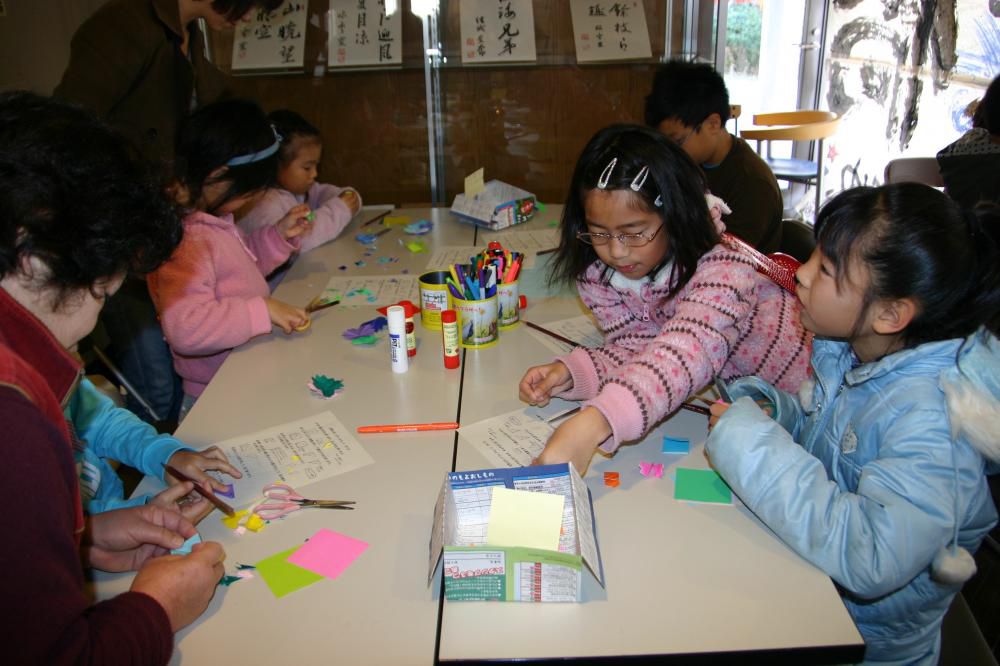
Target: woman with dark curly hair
77,212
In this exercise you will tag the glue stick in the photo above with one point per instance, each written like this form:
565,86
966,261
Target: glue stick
397,338
411,337
449,334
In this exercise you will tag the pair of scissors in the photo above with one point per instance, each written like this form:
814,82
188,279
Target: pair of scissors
282,499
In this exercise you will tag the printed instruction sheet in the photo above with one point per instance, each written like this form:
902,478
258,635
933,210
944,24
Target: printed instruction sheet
580,329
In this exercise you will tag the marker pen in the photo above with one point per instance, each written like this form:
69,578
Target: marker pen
397,338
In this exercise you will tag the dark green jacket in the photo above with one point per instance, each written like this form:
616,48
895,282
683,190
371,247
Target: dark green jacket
126,64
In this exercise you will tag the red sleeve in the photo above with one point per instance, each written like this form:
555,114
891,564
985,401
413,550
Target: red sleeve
47,617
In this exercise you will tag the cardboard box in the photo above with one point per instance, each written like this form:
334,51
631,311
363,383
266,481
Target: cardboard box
475,571
498,206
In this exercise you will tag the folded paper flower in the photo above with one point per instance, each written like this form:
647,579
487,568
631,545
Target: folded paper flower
419,228
651,469
366,239
325,387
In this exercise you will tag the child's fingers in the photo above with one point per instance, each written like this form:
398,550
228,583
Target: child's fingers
172,494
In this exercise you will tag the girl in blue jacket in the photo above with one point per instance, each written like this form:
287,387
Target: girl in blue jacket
875,471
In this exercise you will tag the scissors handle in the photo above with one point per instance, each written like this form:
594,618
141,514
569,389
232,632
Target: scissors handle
282,492
274,510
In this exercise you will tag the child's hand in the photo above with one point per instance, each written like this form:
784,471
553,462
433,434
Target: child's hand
183,584
286,317
295,222
541,382
575,440
351,199
718,408
194,464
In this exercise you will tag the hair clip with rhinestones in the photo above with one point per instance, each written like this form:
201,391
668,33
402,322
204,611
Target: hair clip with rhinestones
605,178
640,179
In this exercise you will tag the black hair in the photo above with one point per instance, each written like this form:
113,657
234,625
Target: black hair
75,194
217,133
673,177
290,126
234,10
917,243
987,114
687,91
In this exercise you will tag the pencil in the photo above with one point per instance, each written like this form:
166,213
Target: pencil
551,334
408,427
376,218
698,409
548,251
219,504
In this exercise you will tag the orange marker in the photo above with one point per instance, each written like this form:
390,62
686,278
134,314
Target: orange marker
408,427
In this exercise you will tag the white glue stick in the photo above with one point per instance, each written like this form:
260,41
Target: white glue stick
397,338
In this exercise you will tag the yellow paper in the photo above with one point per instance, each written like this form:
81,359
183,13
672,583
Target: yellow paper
232,522
255,523
474,183
526,519
394,221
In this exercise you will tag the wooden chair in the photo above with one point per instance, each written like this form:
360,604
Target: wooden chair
812,126
914,170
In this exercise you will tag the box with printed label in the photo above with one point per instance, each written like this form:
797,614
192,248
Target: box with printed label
498,206
476,570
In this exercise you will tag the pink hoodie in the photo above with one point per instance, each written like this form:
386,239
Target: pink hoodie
332,214
727,320
210,293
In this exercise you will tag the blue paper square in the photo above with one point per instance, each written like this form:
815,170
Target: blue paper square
678,445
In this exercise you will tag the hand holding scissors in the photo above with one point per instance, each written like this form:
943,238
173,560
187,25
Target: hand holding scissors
282,499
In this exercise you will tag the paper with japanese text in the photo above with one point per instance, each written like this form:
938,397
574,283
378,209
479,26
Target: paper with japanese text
495,31
297,453
372,290
606,31
271,40
363,35
580,329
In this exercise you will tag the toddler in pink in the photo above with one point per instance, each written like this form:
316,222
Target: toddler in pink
298,164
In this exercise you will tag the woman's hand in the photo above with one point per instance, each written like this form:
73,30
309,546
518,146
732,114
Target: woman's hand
576,440
183,584
295,223
284,316
541,382
124,539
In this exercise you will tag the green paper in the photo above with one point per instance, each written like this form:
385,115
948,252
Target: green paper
283,577
365,340
327,385
226,581
701,485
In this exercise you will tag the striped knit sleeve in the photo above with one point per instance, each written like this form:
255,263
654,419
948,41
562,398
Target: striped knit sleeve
638,389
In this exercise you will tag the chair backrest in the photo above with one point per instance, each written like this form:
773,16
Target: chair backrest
914,170
793,126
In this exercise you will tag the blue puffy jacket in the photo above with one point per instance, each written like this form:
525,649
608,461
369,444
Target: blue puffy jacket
865,479
106,431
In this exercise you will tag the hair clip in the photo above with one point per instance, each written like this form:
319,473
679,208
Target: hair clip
658,202
640,179
602,182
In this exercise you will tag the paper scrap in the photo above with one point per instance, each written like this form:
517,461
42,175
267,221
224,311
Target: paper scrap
232,522
651,469
365,340
328,553
255,523
282,577
524,518
229,492
676,445
612,479
185,548
416,246
474,183
701,485
419,228
396,220
226,581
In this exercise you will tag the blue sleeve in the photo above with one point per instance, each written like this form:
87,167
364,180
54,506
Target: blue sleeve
872,541
788,411
116,433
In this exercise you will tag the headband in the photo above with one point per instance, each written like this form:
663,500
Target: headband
260,154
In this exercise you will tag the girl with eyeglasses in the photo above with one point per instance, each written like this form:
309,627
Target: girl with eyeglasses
676,304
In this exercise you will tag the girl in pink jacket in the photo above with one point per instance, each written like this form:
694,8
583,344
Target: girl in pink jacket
211,295
298,164
677,305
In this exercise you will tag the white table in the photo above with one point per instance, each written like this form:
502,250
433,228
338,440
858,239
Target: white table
681,579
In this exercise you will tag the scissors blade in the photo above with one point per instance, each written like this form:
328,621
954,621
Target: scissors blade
329,504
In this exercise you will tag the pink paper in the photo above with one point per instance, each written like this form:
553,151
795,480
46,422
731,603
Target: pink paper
651,469
328,553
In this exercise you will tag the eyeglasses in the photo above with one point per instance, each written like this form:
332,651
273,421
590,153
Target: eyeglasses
629,240
684,139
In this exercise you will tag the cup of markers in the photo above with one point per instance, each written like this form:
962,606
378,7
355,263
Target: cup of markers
477,289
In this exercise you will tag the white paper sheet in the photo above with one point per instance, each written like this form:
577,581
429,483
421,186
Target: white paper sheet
297,453
372,290
580,329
